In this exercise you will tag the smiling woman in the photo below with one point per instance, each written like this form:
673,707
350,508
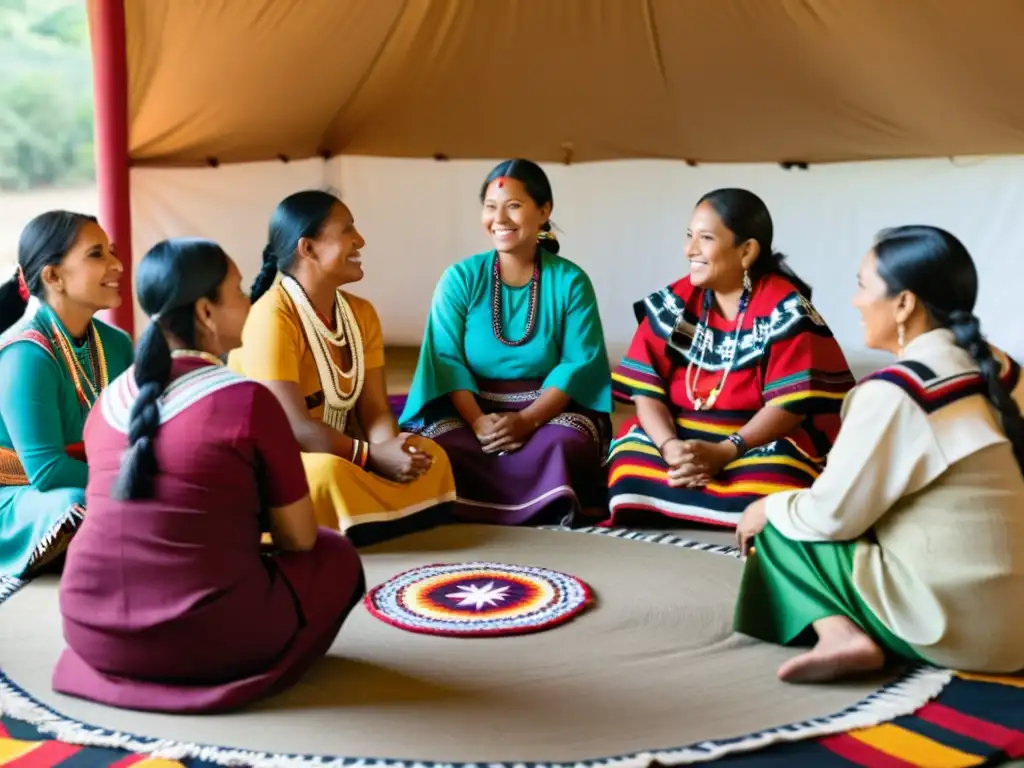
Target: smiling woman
55,359
736,378
513,378
320,350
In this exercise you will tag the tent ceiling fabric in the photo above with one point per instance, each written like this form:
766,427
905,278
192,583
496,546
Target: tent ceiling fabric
574,80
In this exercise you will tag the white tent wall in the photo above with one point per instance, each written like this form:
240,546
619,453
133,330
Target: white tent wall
624,222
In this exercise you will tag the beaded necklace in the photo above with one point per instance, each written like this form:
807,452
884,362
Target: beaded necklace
701,332
88,384
320,338
531,317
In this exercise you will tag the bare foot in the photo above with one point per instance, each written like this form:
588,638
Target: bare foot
840,652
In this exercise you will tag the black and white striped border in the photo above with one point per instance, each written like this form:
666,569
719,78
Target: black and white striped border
902,697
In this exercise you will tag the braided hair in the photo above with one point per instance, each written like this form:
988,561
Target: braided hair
937,268
302,214
171,278
44,242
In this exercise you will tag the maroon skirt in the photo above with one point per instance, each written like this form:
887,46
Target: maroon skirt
226,653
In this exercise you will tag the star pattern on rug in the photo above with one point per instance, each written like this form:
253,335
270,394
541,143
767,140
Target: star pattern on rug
479,597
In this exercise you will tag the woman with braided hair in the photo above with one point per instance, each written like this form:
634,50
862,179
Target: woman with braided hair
320,350
55,359
168,601
910,544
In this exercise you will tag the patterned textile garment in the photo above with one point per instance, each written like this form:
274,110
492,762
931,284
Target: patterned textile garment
48,383
277,345
560,472
914,530
783,356
168,603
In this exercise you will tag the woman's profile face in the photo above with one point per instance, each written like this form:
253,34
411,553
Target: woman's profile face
229,312
337,246
877,309
510,217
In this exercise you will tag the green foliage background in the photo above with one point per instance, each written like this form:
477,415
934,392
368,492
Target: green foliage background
46,102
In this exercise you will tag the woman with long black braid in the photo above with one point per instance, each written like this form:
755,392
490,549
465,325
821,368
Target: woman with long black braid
168,602
911,542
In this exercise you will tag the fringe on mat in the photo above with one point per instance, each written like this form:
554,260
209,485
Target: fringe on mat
897,699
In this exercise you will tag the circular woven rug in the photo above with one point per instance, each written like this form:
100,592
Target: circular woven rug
651,672
478,599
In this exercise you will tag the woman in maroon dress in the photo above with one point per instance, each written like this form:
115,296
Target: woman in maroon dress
168,602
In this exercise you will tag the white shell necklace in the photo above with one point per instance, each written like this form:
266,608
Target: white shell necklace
320,338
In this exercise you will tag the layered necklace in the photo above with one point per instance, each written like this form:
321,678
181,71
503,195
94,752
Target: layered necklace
531,317
322,339
88,383
703,335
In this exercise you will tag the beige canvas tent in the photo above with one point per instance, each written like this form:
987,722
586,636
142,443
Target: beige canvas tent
363,96
579,80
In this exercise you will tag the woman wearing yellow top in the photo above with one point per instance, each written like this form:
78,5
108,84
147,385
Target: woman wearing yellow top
320,350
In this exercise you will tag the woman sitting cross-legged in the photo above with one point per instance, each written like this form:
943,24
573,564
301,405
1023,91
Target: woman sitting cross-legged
320,350
736,378
911,542
168,602
513,378
55,359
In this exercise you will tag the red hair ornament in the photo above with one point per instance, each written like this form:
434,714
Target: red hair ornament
22,285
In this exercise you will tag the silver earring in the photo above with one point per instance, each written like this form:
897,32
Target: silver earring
747,285
901,335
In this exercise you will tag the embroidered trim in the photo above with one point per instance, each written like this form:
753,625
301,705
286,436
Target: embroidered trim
901,697
442,427
181,394
32,336
58,343
510,397
672,321
580,423
12,471
922,385
55,541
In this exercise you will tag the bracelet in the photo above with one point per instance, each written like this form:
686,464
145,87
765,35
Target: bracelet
665,442
360,453
741,445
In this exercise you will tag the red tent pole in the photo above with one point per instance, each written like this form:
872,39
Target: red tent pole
110,89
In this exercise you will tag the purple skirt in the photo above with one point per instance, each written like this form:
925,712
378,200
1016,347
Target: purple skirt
558,477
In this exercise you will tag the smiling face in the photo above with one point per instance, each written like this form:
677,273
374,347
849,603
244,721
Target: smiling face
89,274
337,247
511,217
717,261
880,313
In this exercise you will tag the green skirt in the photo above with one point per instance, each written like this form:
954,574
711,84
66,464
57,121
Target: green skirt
788,585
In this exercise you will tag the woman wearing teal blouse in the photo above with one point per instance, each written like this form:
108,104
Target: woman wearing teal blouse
513,378
55,358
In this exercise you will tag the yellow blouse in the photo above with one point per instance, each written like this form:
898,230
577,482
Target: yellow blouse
274,347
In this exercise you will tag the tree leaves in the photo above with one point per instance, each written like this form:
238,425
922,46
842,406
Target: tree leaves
46,111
